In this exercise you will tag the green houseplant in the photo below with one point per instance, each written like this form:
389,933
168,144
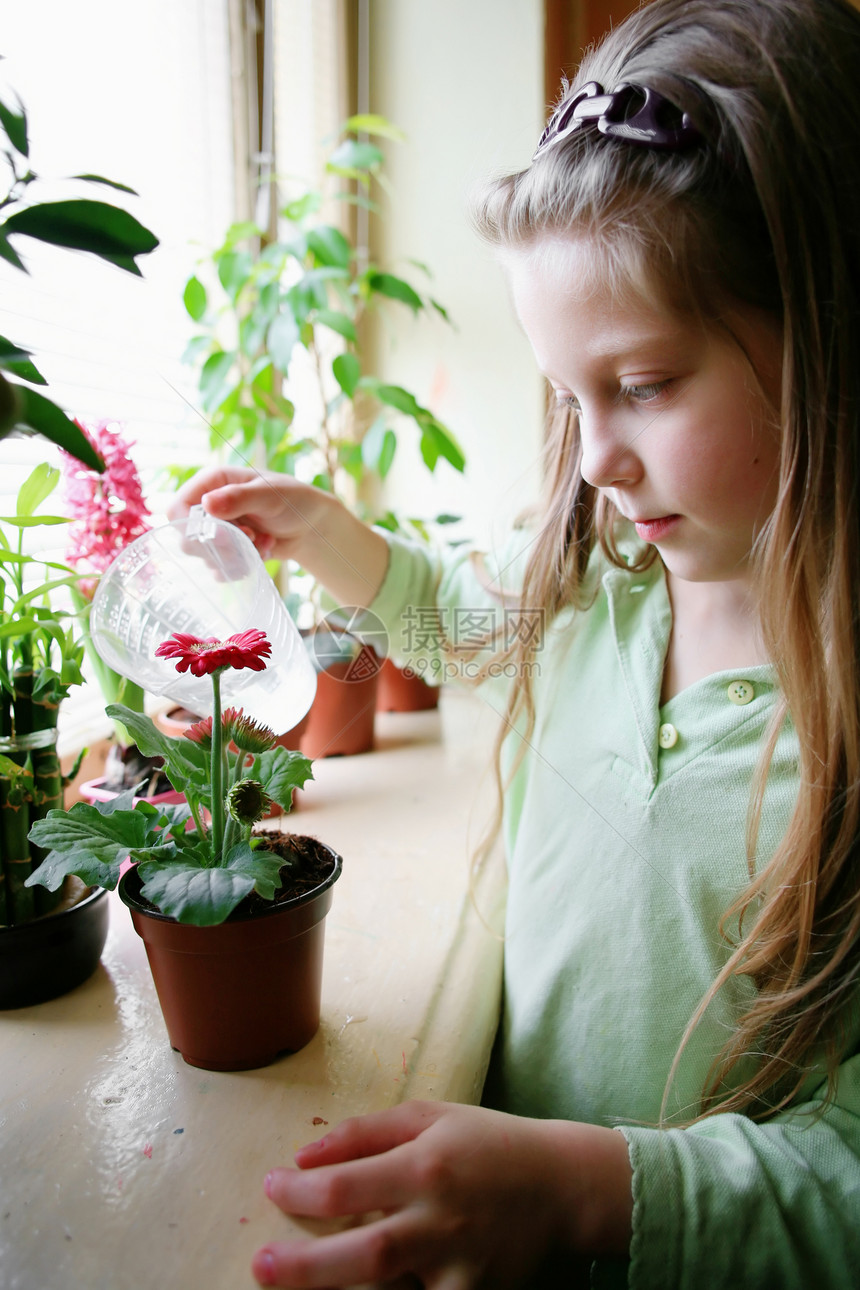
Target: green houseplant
204,891
80,224
40,650
289,314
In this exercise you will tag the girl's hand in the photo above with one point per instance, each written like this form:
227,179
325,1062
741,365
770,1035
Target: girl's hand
457,1196
290,520
277,512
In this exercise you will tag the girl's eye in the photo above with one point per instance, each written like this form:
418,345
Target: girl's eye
643,393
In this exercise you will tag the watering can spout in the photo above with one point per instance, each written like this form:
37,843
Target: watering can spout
200,526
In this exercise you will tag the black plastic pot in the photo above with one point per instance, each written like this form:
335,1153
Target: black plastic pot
51,956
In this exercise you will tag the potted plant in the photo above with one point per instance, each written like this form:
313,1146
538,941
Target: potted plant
293,309
219,908
40,660
48,944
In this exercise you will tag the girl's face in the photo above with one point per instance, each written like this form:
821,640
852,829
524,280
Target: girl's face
677,421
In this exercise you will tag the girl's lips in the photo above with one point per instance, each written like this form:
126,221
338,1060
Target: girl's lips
656,530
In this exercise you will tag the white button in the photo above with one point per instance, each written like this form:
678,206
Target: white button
637,587
741,692
668,736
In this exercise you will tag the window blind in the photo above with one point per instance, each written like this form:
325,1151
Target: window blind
143,96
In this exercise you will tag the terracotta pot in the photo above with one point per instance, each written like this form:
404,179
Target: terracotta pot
237,996
93,790
404,691
341,719
175,721
50,956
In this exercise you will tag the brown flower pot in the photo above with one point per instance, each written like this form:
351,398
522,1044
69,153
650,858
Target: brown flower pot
238,995
175,721
404,691
341,719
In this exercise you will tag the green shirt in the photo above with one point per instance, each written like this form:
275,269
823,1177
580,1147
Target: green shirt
625,829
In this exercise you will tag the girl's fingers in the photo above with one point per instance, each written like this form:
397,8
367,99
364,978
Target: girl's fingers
369,1135
336,1191
206,481
382,1251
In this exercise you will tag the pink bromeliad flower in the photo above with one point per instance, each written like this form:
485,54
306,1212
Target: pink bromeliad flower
203,657
108,511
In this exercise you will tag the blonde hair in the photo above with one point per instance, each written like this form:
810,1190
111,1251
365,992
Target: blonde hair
766,214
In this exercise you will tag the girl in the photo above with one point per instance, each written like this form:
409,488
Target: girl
675,1095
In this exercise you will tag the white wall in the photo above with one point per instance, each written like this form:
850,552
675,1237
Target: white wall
464,80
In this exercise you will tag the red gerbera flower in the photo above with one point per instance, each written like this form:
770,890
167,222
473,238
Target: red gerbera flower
202,657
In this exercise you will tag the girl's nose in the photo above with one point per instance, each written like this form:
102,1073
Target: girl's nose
609,457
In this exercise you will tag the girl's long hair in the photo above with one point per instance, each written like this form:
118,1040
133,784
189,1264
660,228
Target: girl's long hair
766,214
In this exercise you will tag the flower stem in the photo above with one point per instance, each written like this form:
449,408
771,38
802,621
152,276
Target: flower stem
231,835
217,771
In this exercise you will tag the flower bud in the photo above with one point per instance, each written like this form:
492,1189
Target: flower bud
247,802
248,735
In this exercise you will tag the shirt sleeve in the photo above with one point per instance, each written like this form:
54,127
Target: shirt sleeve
441,608
729,1202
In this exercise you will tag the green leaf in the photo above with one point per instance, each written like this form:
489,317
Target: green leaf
16,360
8,253
241,231
194,298
372,123
252,330
354,155
186,763
299,209
349,457
386,284
213,379
442,311
21,776
234,269
90,841
337,322
196,348
263,867
44,416
378,447
436,442
281,340
82,225
110,183
347,372
18,627
34,521
15,125
38,485
280,771
396,397
329,246
200,897
46,588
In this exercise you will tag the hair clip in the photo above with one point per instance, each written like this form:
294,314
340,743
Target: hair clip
633,113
